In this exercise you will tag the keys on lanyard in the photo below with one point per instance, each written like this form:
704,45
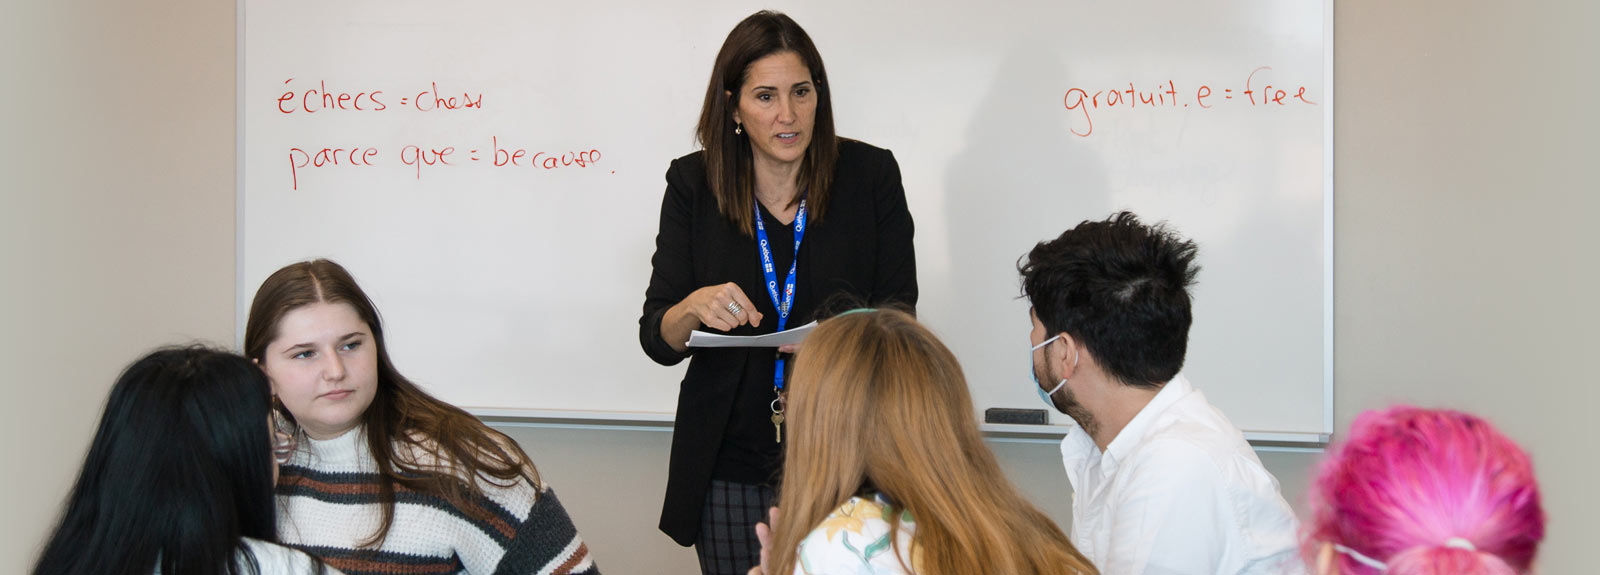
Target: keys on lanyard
777,418
782,304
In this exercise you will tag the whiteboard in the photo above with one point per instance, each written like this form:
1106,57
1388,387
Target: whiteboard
492,172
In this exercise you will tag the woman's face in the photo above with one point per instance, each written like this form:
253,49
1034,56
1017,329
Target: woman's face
324,367
777,108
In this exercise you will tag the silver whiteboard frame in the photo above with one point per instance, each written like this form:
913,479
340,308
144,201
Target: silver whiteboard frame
1327,222
659,421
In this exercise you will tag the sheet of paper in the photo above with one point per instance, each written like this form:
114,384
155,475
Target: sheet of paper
699,338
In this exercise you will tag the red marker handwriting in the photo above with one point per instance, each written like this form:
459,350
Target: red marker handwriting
1257,93
311,98
299,158
421,159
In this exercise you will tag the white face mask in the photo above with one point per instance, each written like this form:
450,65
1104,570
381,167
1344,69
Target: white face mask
1033,374
1362,559
1453,543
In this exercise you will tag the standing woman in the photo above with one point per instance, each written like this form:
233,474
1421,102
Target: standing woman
775,216
388,479
179,477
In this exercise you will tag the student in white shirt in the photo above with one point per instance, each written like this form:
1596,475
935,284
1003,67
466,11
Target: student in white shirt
1163,483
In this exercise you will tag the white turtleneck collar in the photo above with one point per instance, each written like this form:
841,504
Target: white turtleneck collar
347,452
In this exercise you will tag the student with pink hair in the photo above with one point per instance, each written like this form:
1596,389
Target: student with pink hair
1416,491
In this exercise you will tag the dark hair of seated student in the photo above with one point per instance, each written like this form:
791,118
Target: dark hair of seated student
179,476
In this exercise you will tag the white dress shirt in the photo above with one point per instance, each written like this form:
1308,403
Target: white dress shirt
1178,491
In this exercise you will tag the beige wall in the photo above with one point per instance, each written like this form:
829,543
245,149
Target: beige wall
1463,252
1465,237
116,220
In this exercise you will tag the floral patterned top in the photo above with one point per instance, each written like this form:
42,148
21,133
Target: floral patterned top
855,540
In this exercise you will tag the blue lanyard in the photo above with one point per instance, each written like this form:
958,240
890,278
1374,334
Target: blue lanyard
772,276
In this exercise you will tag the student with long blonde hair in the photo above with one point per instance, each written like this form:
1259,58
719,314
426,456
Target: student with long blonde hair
886,471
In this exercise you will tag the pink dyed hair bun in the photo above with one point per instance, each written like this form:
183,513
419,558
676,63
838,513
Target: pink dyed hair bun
1427,492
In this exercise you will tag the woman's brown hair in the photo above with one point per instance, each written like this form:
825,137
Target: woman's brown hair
419,442
878,402
729,164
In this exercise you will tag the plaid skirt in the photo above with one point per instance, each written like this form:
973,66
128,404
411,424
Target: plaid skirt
727,543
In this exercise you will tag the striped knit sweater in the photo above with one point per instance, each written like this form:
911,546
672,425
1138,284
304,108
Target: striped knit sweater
328,505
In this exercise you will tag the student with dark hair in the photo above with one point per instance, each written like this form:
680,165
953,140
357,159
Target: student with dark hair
178,479
1163,483
776,215
386,478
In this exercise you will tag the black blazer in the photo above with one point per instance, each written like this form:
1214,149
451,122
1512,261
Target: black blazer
861,247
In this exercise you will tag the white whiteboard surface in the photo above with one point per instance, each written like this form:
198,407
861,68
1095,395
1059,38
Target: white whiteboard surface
516,287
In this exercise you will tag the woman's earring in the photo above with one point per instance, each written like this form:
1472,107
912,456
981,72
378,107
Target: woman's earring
283,440
738,128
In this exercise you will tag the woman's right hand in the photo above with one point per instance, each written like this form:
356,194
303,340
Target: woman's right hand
707,306
710,306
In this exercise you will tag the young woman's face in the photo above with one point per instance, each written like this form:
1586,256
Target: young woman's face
324,367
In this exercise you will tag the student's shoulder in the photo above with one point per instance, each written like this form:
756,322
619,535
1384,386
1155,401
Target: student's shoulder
858,517
1194,429
275,559
424,452
1191,456
1197,456
856,538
